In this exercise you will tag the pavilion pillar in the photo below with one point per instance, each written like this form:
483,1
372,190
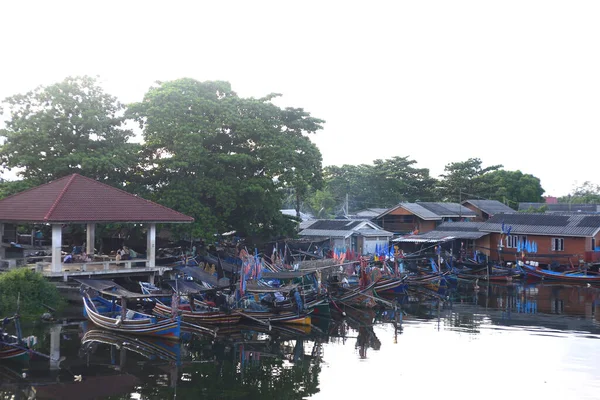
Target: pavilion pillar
151,246
90,234
56,248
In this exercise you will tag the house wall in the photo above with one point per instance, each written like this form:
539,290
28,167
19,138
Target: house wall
483,245
481,216
574,249
370,244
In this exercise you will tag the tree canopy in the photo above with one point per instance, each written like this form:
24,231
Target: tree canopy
224,159
67,127
587,192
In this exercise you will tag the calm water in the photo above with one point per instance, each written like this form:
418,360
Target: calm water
500,342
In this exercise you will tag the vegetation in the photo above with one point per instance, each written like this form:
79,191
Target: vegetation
71,126
582,194
32,289
230,162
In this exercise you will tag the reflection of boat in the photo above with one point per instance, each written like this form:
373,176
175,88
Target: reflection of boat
151,348
109,315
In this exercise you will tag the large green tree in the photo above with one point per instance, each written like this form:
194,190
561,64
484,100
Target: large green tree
514,187
467,179
383,184
224,159
71,126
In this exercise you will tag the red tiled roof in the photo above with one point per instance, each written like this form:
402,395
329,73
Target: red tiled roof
76,198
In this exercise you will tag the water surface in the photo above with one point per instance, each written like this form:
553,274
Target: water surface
495,343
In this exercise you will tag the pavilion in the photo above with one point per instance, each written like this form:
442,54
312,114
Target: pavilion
76,199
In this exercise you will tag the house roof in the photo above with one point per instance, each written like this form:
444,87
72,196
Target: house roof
561,207
578,225
370,212
447,231
490,207
78,199
448,209
415,209
460,226
440,236
342,228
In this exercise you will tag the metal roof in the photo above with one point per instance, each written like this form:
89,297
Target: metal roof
374,232
334,224
76,198
561,207
420,211
491,207
578,225
448,209
325,233
440,236
459,226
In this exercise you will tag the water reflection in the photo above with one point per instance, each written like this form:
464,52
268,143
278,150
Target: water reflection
253,362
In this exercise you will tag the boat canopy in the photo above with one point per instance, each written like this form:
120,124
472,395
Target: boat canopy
198,274
113,289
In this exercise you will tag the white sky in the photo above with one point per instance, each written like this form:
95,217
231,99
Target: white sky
511,82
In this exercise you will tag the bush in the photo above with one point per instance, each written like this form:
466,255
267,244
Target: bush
34,291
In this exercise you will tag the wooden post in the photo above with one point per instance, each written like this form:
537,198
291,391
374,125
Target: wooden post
123,308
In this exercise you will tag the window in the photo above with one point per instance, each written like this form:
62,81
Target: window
512,241
558,244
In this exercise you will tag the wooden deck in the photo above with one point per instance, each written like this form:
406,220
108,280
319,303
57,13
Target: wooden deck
95,268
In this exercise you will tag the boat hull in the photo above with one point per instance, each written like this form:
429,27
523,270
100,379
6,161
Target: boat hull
150,326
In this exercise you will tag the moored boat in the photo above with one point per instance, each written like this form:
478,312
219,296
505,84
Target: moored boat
110,315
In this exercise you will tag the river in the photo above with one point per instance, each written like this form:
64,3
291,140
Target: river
498,342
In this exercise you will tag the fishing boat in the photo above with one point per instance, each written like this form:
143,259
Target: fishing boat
13,347
566,277
108,314
193,309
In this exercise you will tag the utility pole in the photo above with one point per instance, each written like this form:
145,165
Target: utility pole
346,205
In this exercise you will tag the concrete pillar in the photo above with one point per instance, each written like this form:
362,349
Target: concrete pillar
151,278
56,248
90,234
55,331
151,246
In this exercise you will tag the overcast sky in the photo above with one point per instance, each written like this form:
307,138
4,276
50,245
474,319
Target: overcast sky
510,82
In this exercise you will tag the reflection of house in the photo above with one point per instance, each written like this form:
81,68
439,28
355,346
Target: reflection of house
451,235
422,216
560,238
359,236
486,209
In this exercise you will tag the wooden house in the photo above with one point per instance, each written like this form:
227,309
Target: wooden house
358,235
452,236
422,217
561,239
485,209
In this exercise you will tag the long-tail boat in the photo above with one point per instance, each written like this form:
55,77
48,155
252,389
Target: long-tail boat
566,277
111,315
13,347
192,309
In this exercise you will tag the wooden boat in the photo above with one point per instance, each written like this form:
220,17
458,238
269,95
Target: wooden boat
190,313
115,317
566,277
13,347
